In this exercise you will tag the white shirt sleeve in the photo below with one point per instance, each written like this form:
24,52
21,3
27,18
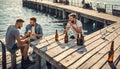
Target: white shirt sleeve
79,23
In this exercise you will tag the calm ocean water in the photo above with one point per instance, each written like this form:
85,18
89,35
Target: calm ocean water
10,10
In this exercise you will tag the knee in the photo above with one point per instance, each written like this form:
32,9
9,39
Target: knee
26,46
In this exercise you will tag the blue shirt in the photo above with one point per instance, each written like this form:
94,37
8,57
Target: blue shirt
38,28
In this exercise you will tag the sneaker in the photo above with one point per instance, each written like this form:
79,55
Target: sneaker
23,64
29,62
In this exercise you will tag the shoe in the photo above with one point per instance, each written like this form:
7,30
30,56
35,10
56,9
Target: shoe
24,65
29,62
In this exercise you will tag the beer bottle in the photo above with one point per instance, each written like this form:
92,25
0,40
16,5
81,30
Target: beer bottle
66,38
81,39
56,35
78,39
111,53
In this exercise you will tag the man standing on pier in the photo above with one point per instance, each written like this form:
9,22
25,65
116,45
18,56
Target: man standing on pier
34,28
74,24
13,35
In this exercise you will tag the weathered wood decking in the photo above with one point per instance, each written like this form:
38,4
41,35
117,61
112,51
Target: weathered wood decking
91,14
95,52
92,55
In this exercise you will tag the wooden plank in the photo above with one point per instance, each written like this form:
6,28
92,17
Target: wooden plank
47,42
99,54
69,51
88,37
98,64
111,65
61,36
48,58
118,65
116,59
53,52
3,55
70,59
61,56
8,57
53,45
104,51
84,11
38,62
43,40
65,46
93,52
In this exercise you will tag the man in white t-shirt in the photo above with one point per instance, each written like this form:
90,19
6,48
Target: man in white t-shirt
74,24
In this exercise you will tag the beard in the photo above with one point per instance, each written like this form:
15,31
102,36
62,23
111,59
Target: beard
19,27
72,21
32,25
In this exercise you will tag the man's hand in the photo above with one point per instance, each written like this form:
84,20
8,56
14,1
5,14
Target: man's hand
27,40
64,31
71,24
37,35
22,37
34,35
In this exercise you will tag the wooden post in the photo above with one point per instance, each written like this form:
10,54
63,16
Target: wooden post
105,8
64,14
38,62
37,6
3,56
55,11
13,61
41,7
53,67
64,17
49,9
112,8
49,66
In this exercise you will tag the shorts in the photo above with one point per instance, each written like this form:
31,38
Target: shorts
15,47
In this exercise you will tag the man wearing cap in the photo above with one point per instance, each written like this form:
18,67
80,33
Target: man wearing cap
74,24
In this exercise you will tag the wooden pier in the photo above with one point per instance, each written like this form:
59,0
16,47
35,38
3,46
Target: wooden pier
92,55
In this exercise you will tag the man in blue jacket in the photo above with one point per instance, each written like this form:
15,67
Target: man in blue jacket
34,28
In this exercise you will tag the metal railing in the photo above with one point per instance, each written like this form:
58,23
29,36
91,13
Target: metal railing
4,61
3,55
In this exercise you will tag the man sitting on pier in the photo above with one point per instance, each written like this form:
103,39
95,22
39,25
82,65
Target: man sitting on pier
13,35
75,25
34,28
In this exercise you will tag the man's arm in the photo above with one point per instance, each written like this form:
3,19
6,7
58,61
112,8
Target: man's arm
17,37
23,41
66,30
26,30
67,27
38,35
40,32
